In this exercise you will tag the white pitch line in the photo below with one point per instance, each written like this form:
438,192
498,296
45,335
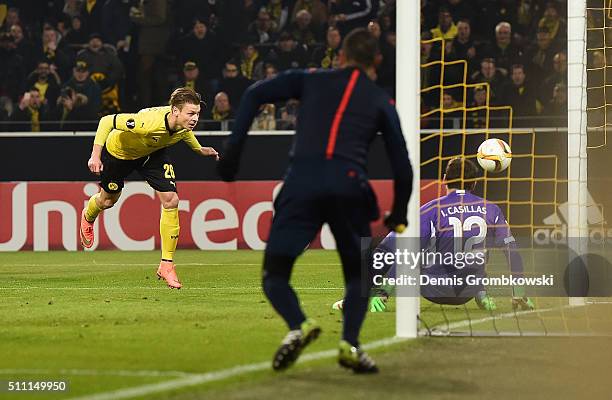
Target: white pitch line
468,322
214,376
94,372
87,263
595,302
198,379
245,288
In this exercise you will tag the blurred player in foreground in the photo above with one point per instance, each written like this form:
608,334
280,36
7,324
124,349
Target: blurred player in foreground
464,219
341,111
137,142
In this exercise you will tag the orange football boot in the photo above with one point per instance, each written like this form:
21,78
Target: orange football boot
87,232
166,272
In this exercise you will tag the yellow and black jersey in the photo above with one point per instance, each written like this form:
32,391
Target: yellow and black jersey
132,136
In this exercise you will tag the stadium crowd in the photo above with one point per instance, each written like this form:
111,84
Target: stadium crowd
518,47
67,62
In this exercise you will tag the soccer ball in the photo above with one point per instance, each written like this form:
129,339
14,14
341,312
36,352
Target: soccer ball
494,155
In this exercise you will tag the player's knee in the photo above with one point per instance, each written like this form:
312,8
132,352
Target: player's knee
171,201
107,203
276,269
268,281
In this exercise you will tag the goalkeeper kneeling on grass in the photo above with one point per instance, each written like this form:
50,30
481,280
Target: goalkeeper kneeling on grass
459,219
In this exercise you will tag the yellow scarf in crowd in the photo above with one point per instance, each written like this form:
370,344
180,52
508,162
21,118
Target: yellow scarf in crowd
219,116
90,5
3,12
328,60
35,119
248,64
552,26
275,10
42,88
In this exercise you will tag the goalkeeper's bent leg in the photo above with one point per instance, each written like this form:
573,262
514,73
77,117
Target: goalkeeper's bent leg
169,229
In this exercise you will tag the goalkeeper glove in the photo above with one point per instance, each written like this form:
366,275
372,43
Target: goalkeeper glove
485,302
519,299
524,303
378,304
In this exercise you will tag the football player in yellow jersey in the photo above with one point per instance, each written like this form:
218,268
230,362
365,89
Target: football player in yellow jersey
137,142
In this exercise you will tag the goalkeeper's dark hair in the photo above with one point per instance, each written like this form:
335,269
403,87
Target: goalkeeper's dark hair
184,95
361,47
461,173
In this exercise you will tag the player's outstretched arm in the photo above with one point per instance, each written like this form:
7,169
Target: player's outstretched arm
136,123
95,160
192,142
209,152
105,126
285,86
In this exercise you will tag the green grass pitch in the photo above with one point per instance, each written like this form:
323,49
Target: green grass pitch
103,321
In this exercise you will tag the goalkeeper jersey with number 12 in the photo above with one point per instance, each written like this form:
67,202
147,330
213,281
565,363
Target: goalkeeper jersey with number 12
464,215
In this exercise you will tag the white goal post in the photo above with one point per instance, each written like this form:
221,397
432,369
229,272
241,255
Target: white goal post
408,105
577,194
408,86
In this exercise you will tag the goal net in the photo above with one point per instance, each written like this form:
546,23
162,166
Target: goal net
547,194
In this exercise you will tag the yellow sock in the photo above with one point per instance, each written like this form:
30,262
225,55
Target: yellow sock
92,210
169,231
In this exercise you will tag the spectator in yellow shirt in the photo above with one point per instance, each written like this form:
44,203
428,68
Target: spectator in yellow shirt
446,28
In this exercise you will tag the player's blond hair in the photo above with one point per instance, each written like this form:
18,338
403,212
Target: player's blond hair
184,95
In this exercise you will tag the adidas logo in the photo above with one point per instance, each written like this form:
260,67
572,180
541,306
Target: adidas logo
594,214
557,234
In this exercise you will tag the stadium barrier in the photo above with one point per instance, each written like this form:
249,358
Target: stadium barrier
44,216
43,193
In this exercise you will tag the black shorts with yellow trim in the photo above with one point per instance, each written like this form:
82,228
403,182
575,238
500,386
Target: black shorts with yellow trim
156,169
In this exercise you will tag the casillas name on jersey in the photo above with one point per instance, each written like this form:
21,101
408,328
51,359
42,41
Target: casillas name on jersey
460,209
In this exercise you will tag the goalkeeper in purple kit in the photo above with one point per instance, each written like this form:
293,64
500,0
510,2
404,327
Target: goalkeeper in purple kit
457,224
